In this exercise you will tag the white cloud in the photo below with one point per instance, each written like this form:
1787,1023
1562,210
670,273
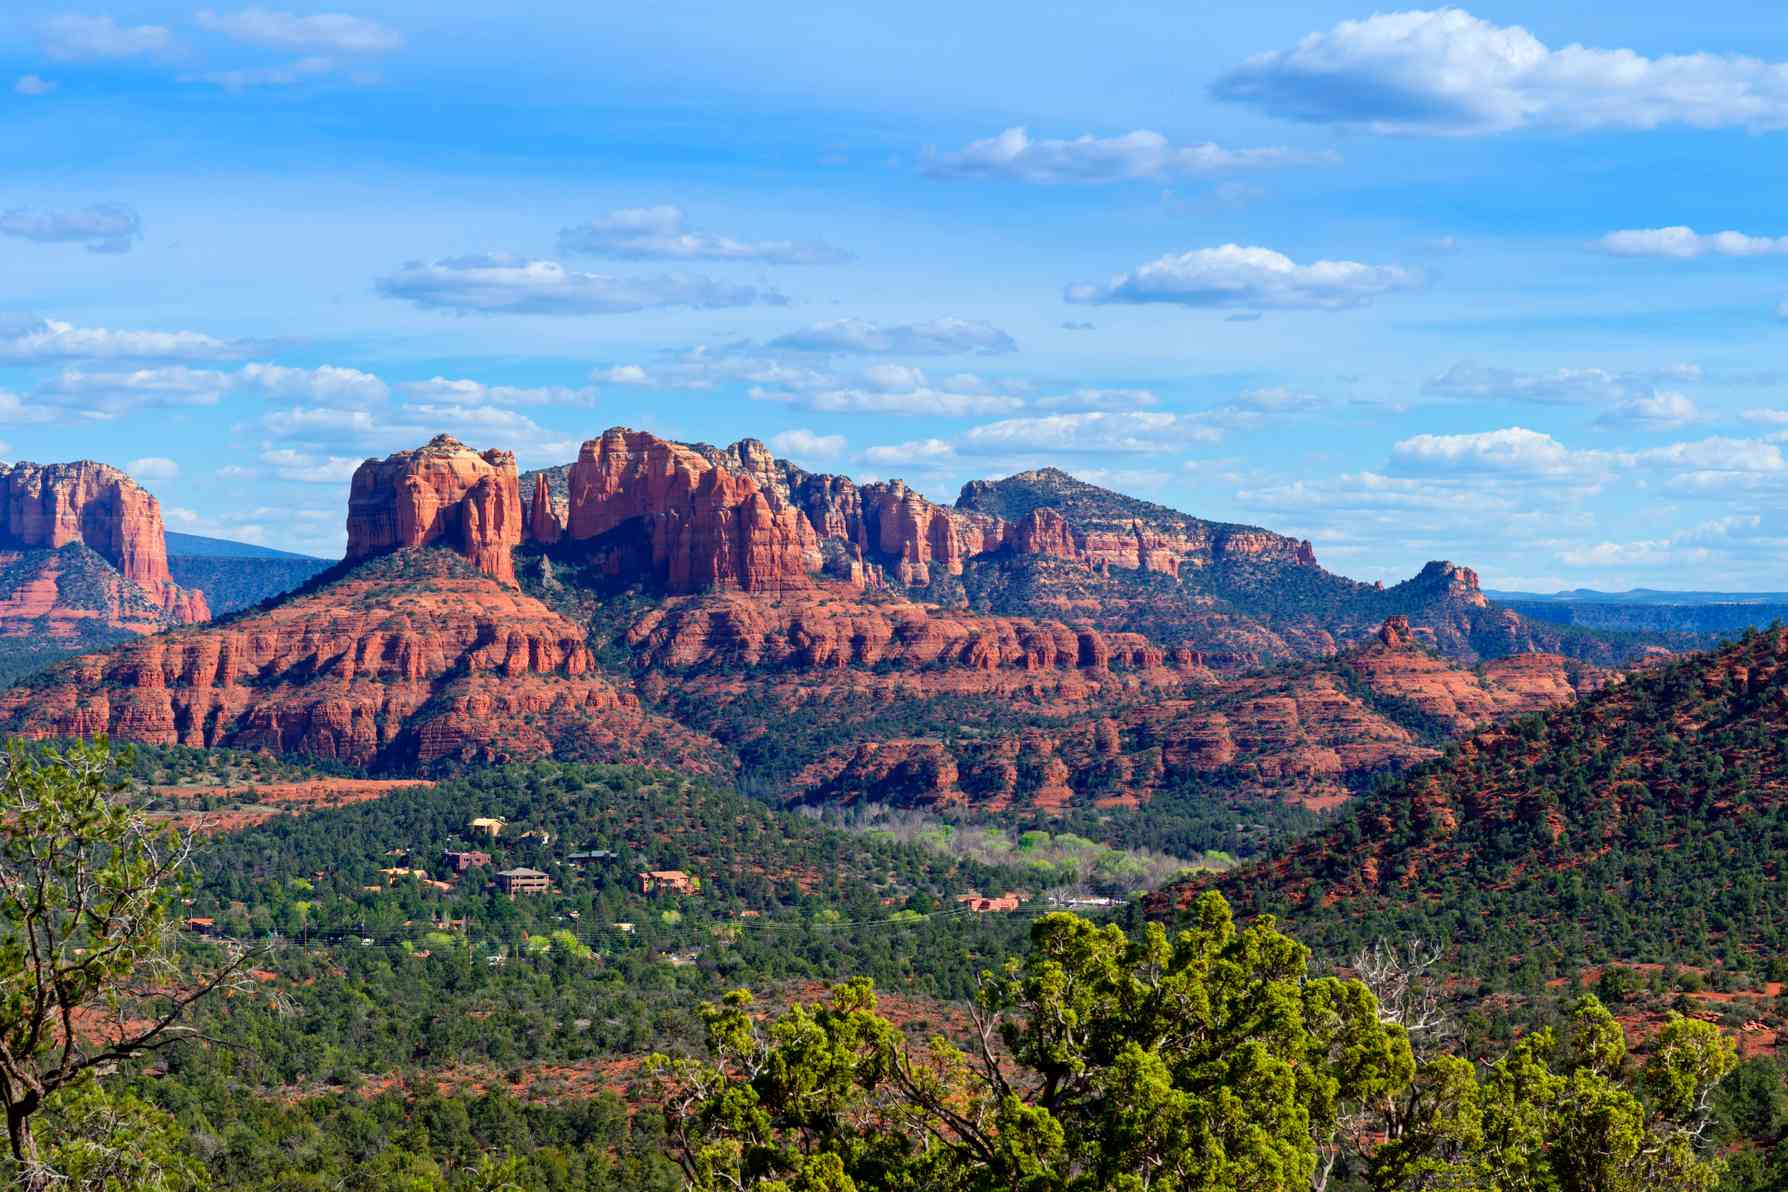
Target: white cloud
468,392
1101,399
1665,410
15,410
889,394
1100,431
1559,386
1684,243
106,395
1015,156
323,424
305,467
623,374
917,451
1448,72
51,339
809,443
329,383
1511,451
503,284
107,228
72,36
34,85
937,337
329,31
154,467
661,234
1235,275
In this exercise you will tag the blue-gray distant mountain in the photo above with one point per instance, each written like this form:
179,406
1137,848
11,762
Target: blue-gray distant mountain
1651,610
236,575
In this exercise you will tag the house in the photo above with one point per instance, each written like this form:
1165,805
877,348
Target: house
1004,904
541,834
461,860
673,881
487,825
592,856
522,880
397,872
623,928
202,926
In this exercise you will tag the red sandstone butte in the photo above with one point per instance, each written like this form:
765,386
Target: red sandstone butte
52,505
442,492
709,525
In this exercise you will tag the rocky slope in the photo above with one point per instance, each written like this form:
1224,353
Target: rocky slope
399,663
1599,824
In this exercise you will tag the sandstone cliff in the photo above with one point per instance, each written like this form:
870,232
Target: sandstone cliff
50,506
703,523
442,492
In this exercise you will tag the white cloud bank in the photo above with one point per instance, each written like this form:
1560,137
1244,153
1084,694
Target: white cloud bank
662,234
1686,243
106,228
74,36
1448,72
937,337
328,31
498,283
1235,275
1014,156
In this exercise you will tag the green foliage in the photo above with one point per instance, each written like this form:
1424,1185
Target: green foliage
1207,1061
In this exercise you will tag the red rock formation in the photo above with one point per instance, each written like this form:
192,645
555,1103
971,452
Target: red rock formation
1044,531
442,492
708,524
104,509
543,519
372,670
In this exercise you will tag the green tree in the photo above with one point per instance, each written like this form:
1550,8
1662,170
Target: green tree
1206,1061
91,970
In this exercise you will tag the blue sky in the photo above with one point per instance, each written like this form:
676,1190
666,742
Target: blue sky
1506,285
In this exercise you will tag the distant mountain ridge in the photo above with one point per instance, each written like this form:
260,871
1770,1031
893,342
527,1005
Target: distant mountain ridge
201,546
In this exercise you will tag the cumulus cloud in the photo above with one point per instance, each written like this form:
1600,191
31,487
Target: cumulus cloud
1074,325
937,337
1014,156
623,374
329,31
1685,243
503,284
107,228
1449,72
153,467
803,442
1101,431
34,85
74,36
106,395
31,339
1235,275
662,234
1665,410
468,392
